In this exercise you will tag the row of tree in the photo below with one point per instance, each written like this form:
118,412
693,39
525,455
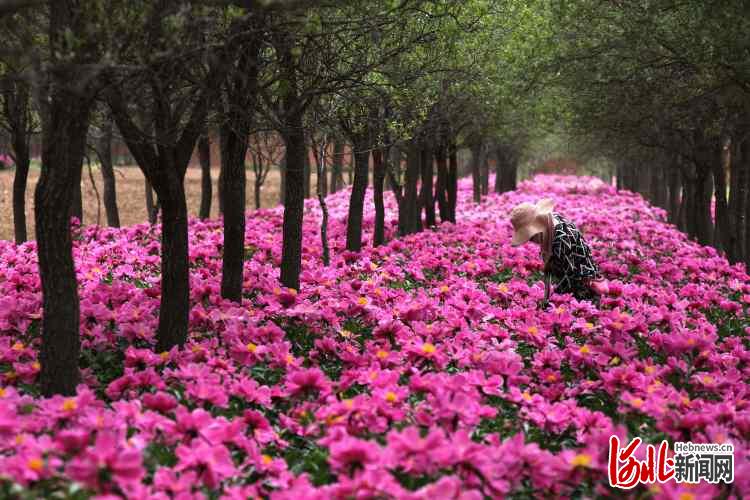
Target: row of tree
663,89
405,83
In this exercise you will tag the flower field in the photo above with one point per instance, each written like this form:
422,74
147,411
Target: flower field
422,369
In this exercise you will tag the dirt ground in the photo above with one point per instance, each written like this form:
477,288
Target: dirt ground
130,196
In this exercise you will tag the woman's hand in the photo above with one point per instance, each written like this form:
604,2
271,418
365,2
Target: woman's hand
601,287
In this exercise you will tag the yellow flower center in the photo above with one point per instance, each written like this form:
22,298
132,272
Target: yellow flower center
20,439
708,379
18,346
345,333
526,395
381,354
650,370
251,347
289,359
584,349
444,289
2,392
581,460
637,402
164,355
533,330
69,405
551,377
589,326
36,365
428,348
348,403
391,397
36,464
266,459
362,301
614,361
503,288
686,496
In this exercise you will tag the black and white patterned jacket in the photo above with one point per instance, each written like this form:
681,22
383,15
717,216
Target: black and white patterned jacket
570,262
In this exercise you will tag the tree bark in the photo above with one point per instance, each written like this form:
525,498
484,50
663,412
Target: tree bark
20,181
409,220
476,176
320,163
722,227
257,186
442,181
742,202
204,156
174,306
357,198
307,173
499,167
378,179
337,173
104,152
150,208
66,111
294,201
452,181
234,144
485,173
674,192
76,206
507,169
16,108
428,200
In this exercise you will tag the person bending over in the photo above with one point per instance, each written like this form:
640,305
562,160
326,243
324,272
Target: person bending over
566,256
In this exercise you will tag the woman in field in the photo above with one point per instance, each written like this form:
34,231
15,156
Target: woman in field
566,256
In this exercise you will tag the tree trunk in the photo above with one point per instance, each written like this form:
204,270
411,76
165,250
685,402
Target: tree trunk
408,215
701,206
507,169
722,228
20,180
104,151
378,179
499,167
307,173
476,176
204,156
258,186
320,163
65,110
485,173
442,182
150,209
16,108
76,206
321,166
282,177
337,174
294,201
175,294
738,198
357,198
428,200
452,181
233,150
674,192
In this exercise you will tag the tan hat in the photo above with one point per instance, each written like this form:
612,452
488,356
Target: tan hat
528,220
